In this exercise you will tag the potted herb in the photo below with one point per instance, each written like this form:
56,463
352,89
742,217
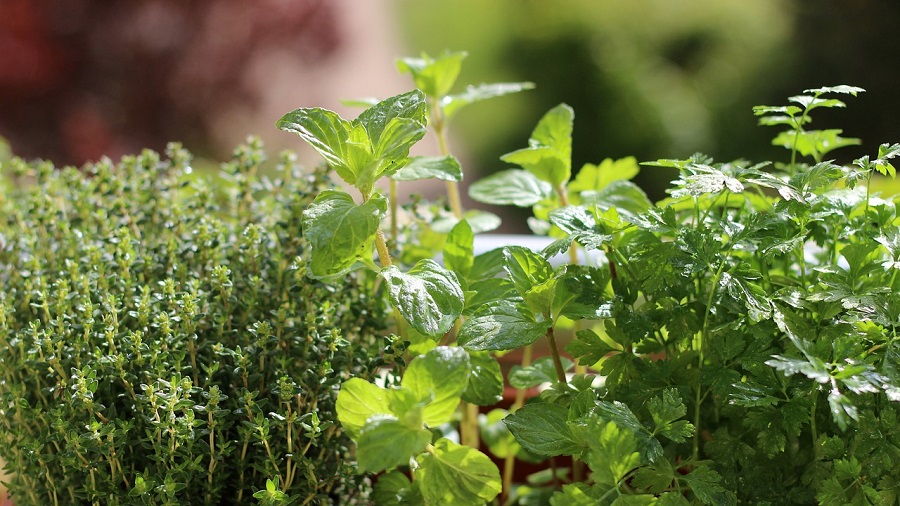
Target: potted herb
160,342
735,342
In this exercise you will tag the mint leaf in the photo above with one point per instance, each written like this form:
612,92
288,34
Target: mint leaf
445,168
395,489
581,293
385,443
513,187
549,152
455,474
439,376
476,93
532,276
459,249
428,296
542,428
357,401
540,371
501,325
486,380
340,231
327,133
495,435
597,177
434,76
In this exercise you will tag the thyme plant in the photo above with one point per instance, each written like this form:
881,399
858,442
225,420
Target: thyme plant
160,342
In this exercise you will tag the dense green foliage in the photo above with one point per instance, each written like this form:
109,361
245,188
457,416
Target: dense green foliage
160,342
735,342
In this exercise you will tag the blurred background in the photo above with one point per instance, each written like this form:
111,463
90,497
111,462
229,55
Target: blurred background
648,78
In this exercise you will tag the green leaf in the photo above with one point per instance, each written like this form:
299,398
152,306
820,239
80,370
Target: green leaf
588,348
485,386
597,177
705,484
581,293
618,413
667,411
514,187
459,250
540,371
340,231
434,76
574,494
655,478
358,401
542,428
495,435
327,133
626,197
395,124
612,452
843,88
815,143
395,489
385,443
532,276
549,152
455,474
441,375
477,93
487,291
445,168
501,325
428,296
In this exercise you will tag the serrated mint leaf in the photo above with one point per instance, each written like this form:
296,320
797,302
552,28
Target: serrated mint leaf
485,386
357,401
439,376
434,76
542,428
540,371
326,132
455,474
459,249
445,168
487,291
395,489
428,296
549,152
476,93
527,269
340,231
385,443
502,325
514,187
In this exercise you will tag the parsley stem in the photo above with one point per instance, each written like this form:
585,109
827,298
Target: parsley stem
557,361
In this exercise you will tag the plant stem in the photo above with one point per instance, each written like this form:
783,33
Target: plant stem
510,463
437,121
557,361
393,202
384,256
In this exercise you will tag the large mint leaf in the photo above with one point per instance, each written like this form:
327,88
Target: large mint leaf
445,168
485,386
476,93
502,325
455,474
380,122
549,152
357,401
428,296
340,231
512,187
581,293
395,489
385,443
434,76
542,428
542,370
533,277
440,375
326,132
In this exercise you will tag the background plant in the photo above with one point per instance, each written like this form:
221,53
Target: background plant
160,342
